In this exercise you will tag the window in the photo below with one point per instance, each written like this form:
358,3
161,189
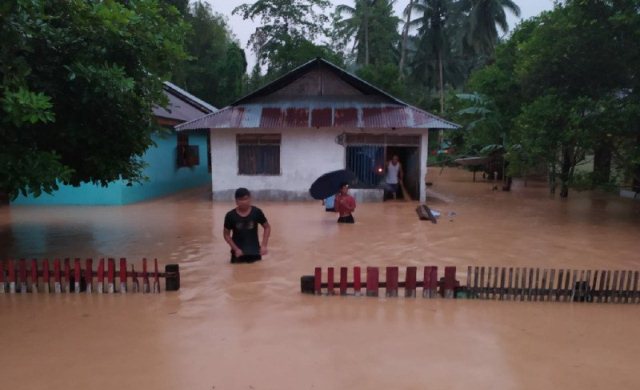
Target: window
258,154
186,155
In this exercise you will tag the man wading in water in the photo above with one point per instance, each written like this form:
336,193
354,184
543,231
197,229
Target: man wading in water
243,222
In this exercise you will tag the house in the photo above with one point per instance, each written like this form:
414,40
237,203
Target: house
178,161
317,118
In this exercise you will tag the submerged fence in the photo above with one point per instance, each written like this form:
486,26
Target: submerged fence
499,283
22,276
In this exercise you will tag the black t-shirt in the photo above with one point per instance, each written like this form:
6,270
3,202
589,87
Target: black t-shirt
244,230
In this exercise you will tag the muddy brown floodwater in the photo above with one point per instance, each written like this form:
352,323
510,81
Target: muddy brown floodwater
249,327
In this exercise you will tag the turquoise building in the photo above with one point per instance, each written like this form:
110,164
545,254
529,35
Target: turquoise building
177,162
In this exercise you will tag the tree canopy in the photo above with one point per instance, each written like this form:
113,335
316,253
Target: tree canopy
78,80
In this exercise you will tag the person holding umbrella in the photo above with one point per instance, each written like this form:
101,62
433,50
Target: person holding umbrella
345,204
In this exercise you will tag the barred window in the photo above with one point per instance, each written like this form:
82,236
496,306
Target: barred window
258,154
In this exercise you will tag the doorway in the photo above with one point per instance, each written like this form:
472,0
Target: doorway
409,157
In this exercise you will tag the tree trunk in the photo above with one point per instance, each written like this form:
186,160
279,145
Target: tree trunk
441,71
405,37
602,163
565,172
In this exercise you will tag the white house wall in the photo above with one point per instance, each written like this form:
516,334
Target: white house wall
305,154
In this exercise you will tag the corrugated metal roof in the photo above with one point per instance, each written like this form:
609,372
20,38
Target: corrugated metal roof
298,100
338,116
182,105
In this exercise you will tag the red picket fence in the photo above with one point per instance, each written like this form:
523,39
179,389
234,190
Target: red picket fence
501,283
67,276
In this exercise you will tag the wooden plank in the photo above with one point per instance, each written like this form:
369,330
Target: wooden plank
317,281
587,287
135,284
636,275
67,275
574,277
330,281
530,285
627,289
3,281
502,283
510,284
623,277
146,284
559,290
357,285
100,277
536,289
602,286
476,281
520,282
372,281
156,277
22,272
88,275
392,276
46,277
552,290
469,281
410,282
489,290
483,289
544,292
495,282
34,275
449,282
567,285
57,282
343,280
426,283
123,275
77,274
614,287
11,276
111,276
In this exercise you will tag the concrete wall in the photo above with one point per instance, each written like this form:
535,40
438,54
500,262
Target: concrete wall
164,178
305,154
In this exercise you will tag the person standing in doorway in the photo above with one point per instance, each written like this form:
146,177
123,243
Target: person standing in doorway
241,230
394,176
345,205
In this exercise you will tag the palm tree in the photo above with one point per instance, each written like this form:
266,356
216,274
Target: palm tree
405,35
484,18
372,27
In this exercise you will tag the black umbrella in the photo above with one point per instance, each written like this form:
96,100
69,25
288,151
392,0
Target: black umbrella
329,183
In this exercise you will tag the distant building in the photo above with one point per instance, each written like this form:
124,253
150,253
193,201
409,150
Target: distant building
317,118
177,162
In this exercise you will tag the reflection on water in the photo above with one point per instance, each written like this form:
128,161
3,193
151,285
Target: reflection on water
247,326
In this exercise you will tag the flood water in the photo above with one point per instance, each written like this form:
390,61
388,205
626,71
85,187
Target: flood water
249,327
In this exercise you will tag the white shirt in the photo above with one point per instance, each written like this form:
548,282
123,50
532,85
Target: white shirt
392,173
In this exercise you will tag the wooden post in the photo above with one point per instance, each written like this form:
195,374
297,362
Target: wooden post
343,280
88,275
146,286
330,281
67,275
135,284
635,287
449,290
483,289
510,287
469,281
410,282
392,276
552,277
502,281
476,275
111,276
2,278
372,281
156,277
495,283
23,276
100,276
172,277
57,282
76,276
318,281
357,284
430,282
11,273
123,275
45,276
34,275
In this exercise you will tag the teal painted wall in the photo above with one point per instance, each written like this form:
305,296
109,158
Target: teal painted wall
164,178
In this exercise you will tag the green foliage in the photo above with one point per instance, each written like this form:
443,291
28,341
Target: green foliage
216,68
78,80
282,23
